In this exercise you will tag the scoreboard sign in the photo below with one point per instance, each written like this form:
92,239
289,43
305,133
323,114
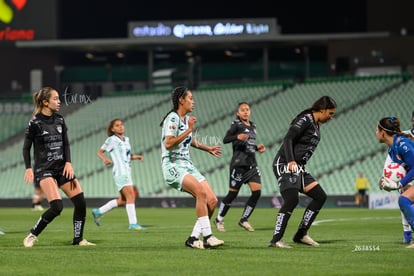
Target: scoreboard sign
218,29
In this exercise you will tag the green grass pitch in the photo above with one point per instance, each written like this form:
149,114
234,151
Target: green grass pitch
352,242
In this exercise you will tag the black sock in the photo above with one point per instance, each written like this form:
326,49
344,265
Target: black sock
56,207
307,220
79,214
280,226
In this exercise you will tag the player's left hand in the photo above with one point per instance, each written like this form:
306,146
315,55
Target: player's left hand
68,171
215,150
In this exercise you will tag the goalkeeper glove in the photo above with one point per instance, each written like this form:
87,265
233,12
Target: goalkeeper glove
389,185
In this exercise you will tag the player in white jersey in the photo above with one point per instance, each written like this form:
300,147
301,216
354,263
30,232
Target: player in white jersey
179,171
118,146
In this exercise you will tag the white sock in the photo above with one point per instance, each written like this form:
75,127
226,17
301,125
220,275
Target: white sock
196,230
220,218
108,206
132,215
205,226
406,226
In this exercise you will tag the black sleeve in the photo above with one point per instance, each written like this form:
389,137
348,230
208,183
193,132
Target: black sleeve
231,134
27,145
66,144
294,132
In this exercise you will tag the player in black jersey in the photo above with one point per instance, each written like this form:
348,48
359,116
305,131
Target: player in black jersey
52,167
289,163
243,166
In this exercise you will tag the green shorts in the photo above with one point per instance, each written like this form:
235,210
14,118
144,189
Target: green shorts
174,173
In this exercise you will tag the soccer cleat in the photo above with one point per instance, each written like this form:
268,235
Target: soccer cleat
219,225
246,225
408,236
96,216
213,242
280,244
306,240
193,242
411,246
136,227
37,208
85,243
29,240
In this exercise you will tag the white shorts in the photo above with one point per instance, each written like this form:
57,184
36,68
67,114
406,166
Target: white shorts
123,180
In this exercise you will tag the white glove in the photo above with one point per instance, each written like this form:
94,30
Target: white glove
389,185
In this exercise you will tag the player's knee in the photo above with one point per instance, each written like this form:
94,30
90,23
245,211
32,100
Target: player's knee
254,198
231,195
322,197
404,202
290,200
79,201
256,195
56,207
318,194
213,201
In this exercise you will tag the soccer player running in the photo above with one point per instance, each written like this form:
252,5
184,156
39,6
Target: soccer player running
52,168
401,150
299,144
243,166
179,171
118,146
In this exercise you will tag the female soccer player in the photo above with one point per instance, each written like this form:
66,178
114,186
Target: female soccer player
243,166
119,148
289,163
52,167
401,150
407,231
178,169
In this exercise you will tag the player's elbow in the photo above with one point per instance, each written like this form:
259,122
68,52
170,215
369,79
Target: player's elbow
168,145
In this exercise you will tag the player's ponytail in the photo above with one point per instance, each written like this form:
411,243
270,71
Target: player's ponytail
177,93
391,126
324,102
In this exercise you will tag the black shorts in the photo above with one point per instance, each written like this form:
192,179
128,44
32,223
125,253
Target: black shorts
242,175
290,180
58,176
36,183
362,192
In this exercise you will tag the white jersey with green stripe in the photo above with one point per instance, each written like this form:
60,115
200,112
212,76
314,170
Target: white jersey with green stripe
174,126
120,151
